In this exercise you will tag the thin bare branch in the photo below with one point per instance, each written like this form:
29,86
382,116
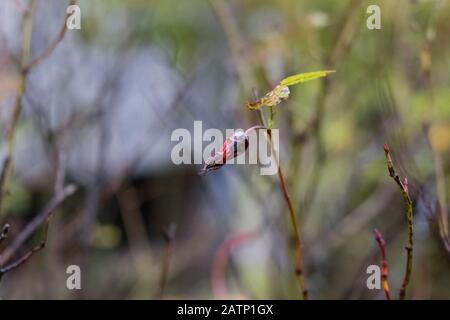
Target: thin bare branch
27,255
384,264
298,258
34,224
48,51
403,186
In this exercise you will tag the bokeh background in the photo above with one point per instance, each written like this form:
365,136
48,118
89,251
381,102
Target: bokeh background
107,99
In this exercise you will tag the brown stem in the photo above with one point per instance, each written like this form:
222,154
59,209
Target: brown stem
403,186
298,242
298,258
384,264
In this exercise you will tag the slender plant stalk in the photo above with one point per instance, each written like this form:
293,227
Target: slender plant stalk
403,186
298,242
236,44
384,264
298,258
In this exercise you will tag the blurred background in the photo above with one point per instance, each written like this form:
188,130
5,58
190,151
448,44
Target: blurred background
102,105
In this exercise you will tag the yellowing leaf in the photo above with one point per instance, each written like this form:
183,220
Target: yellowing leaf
440,137
303,77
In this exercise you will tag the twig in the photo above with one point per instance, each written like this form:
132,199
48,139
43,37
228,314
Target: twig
53,44
25,67
28,255
384,264
409,214
42,217
168,235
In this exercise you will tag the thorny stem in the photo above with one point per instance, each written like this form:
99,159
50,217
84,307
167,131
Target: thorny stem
384,264
409,214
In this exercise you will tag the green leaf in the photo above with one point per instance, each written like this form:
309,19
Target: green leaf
303,77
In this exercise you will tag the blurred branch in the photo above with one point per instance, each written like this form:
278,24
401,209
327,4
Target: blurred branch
221,257
10,135
426,63
25,67
340,47
60,194
168,235
28,255
354,221
409,214
235,41
52,45
384,264
21,7
42,217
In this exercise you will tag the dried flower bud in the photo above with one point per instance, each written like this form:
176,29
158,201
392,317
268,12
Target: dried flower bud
233,146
